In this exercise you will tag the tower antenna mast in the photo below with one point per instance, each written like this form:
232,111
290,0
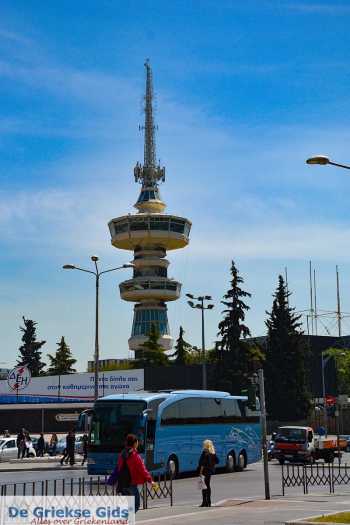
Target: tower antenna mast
149,174
150,143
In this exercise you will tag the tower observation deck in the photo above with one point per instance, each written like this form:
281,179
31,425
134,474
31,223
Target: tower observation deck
150,233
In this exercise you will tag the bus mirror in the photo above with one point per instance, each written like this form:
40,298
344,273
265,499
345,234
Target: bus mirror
84,421
145,414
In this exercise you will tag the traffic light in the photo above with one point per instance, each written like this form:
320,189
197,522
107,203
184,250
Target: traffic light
250,392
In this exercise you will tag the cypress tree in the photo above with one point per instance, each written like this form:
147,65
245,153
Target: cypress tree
239,358
153,352
182,350
62,362
286,386
30,354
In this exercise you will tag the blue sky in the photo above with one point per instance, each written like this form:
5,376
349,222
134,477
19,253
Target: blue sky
245,91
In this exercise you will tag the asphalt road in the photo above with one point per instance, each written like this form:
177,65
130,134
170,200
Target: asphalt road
239,498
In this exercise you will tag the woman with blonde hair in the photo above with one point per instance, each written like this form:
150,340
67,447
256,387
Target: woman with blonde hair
207,462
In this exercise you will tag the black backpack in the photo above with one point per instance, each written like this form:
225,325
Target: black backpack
124,477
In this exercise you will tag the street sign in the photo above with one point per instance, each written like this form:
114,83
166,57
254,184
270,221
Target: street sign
330,400
19,378
61,418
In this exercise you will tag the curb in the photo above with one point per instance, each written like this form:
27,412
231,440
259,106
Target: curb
41,469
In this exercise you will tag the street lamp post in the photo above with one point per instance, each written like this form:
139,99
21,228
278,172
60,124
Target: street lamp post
323,364
97,275
323,160
201,306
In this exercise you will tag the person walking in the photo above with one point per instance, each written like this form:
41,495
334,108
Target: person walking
70,444
40,448
68,453
132,471
85,448
206,465
53,444
21,445
28,444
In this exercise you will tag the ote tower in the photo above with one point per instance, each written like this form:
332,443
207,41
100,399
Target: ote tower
149,234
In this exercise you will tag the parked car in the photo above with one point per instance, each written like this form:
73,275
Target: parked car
61,445
8,449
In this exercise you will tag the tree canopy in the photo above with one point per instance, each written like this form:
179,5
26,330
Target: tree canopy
341,357
285,371
239,358
153,354
30,354
183,349
62,362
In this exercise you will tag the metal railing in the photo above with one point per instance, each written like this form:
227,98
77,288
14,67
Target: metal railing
87,486
317,475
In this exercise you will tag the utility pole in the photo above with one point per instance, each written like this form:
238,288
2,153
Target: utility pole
264,432
201,306
338,304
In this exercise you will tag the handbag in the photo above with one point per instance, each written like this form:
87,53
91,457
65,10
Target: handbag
113,478
201,483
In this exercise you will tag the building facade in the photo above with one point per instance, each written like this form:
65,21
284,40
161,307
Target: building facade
149,234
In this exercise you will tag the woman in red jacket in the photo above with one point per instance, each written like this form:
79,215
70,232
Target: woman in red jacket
132,470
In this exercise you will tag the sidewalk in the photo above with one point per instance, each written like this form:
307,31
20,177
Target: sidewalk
42,464
277,511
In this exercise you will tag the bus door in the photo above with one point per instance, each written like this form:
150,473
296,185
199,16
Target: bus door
150,434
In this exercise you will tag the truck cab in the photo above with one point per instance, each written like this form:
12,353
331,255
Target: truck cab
294,443
302,445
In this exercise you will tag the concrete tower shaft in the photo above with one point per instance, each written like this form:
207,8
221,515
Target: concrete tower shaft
149,234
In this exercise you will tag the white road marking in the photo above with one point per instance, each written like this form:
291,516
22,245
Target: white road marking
175,516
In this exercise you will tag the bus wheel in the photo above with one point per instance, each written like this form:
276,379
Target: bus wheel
241,462
173,466
230,462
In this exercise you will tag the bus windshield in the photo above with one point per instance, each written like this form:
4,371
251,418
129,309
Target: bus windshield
112,421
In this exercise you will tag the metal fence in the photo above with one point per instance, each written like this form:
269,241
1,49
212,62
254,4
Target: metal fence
328,475
87,486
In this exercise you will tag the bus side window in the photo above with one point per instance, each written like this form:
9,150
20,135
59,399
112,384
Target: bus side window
190,411
170,415
231,410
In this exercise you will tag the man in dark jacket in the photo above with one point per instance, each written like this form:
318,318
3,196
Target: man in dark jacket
21,445
70,446
40,447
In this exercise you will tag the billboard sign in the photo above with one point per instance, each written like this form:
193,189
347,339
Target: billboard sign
67,388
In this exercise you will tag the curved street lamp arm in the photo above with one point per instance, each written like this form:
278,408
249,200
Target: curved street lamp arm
84,270
112,269
345,166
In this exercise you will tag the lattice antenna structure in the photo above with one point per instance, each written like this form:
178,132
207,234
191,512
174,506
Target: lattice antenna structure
314,316
149,174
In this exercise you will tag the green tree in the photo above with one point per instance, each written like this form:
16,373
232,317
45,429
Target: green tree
239,358
153,354
183,349
30,354
341,357
61,363
286,356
